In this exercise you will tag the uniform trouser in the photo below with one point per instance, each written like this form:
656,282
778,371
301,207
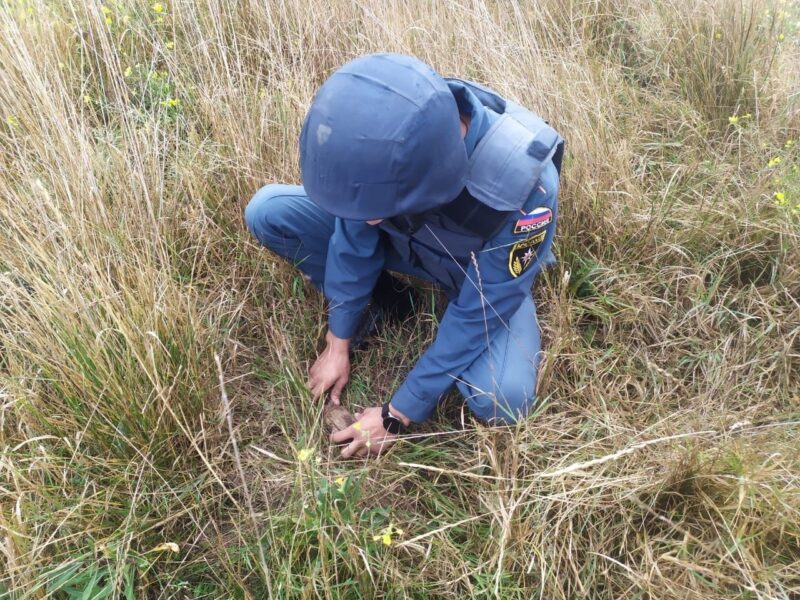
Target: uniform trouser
499,386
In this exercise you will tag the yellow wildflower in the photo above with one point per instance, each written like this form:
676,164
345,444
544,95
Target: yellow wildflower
171,546
159,19
109,20
158,8
357,425
386,534
788,144
304,454
12,121
718,35
340,481
170,45
105,10
781,37
733,120
87,99
774,162
780,199
128,71
170,102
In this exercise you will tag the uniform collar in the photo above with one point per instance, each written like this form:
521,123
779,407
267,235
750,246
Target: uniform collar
480,119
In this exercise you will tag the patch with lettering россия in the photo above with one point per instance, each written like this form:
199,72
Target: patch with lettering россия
533,221
522,254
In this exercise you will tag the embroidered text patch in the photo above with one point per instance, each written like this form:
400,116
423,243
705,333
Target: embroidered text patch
522,254
534,220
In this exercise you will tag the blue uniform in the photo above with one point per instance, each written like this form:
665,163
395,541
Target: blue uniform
488,342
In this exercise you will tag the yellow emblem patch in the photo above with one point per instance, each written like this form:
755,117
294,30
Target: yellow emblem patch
522,254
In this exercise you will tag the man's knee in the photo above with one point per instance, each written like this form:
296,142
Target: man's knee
262,213
256,213
506,403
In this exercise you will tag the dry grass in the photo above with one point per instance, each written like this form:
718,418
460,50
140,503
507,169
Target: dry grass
664,460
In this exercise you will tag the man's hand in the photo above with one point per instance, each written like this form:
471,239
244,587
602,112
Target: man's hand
367,433
331,370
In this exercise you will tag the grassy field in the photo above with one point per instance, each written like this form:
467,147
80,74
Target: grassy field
156,437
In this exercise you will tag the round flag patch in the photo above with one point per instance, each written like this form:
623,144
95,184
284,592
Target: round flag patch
533,221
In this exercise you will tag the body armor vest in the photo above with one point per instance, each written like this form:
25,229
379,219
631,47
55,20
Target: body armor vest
503,170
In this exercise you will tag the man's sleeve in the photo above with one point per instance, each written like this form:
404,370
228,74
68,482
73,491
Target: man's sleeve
355,259
490,295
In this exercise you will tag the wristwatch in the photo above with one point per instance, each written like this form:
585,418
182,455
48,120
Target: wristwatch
391,423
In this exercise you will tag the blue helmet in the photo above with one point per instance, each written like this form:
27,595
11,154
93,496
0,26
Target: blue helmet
382,138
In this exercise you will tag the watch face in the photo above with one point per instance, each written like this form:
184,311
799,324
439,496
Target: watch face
391,424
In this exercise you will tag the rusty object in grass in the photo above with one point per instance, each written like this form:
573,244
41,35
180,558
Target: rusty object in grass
336,417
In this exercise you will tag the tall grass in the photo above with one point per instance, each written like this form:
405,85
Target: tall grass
663,460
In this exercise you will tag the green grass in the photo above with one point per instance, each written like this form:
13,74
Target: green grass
662,460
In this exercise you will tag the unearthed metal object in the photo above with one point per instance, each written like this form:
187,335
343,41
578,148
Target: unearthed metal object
336,417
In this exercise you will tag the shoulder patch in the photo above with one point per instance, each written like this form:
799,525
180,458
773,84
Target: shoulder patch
522,254
533,221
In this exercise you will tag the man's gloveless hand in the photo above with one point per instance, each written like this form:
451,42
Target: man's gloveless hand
331,370
366,435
